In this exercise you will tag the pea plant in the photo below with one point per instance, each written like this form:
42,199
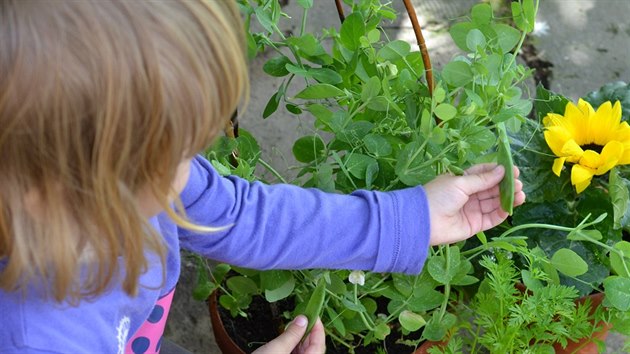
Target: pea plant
379,125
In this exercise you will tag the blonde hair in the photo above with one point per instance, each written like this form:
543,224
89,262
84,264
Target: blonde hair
99,100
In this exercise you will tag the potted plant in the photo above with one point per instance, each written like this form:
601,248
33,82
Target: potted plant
576,233
379,125
386,128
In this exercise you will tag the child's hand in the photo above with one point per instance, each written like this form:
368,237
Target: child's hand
289,341
461,206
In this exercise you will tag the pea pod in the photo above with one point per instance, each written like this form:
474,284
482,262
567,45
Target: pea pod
504,158
314,306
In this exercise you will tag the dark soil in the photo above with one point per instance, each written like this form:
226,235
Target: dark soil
265,323
542,68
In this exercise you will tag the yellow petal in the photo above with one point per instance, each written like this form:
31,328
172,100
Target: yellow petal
571,148
585,107
577,118
625,157
581,177
556,137
581,174
590,159
557,165
611,154
580,187
622,133
603,124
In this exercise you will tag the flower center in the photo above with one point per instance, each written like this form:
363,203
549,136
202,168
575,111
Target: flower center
595,147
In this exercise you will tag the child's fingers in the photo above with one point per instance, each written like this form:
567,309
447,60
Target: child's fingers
316,341
480,168
472,183
288,340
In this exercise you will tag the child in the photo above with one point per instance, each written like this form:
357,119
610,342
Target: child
103,107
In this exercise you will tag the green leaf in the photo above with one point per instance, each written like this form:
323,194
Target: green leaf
394,50
443,270
280,293
529,12
374,36
439,94
459,31
457,73
403,283
381,331
507,36
352,29
549,102
277,66
337,322
272,105
445,111
324,178
620,265
569,263
524,15
293,108
242,285
357,164
377,145
411,167
481,14
310,47
425,299
411,321
475,39
371,89
585,235
297,70
357,307
617,292
306,4
264,18
320,91
221,168
618,188
309,148
321,113
325,75
273,279
437,326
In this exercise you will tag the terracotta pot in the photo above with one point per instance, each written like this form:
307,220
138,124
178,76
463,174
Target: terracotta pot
224,341
587,345
425,346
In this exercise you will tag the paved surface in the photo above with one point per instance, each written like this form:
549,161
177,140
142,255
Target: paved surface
587,41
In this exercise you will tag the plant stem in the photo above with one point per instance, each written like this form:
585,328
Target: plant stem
303,25
267,166
447,287
338,340
361,314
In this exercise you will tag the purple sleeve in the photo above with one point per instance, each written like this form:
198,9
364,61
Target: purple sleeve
288,227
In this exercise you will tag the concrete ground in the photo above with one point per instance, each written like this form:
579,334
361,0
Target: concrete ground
586,41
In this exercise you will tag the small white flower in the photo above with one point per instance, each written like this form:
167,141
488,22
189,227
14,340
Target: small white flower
357,277
541,28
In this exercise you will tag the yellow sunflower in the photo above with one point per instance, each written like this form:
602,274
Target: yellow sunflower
594,141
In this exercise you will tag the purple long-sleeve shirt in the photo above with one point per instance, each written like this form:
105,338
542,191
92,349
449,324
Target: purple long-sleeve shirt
266,227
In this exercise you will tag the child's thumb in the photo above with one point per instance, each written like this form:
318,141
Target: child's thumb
481,181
